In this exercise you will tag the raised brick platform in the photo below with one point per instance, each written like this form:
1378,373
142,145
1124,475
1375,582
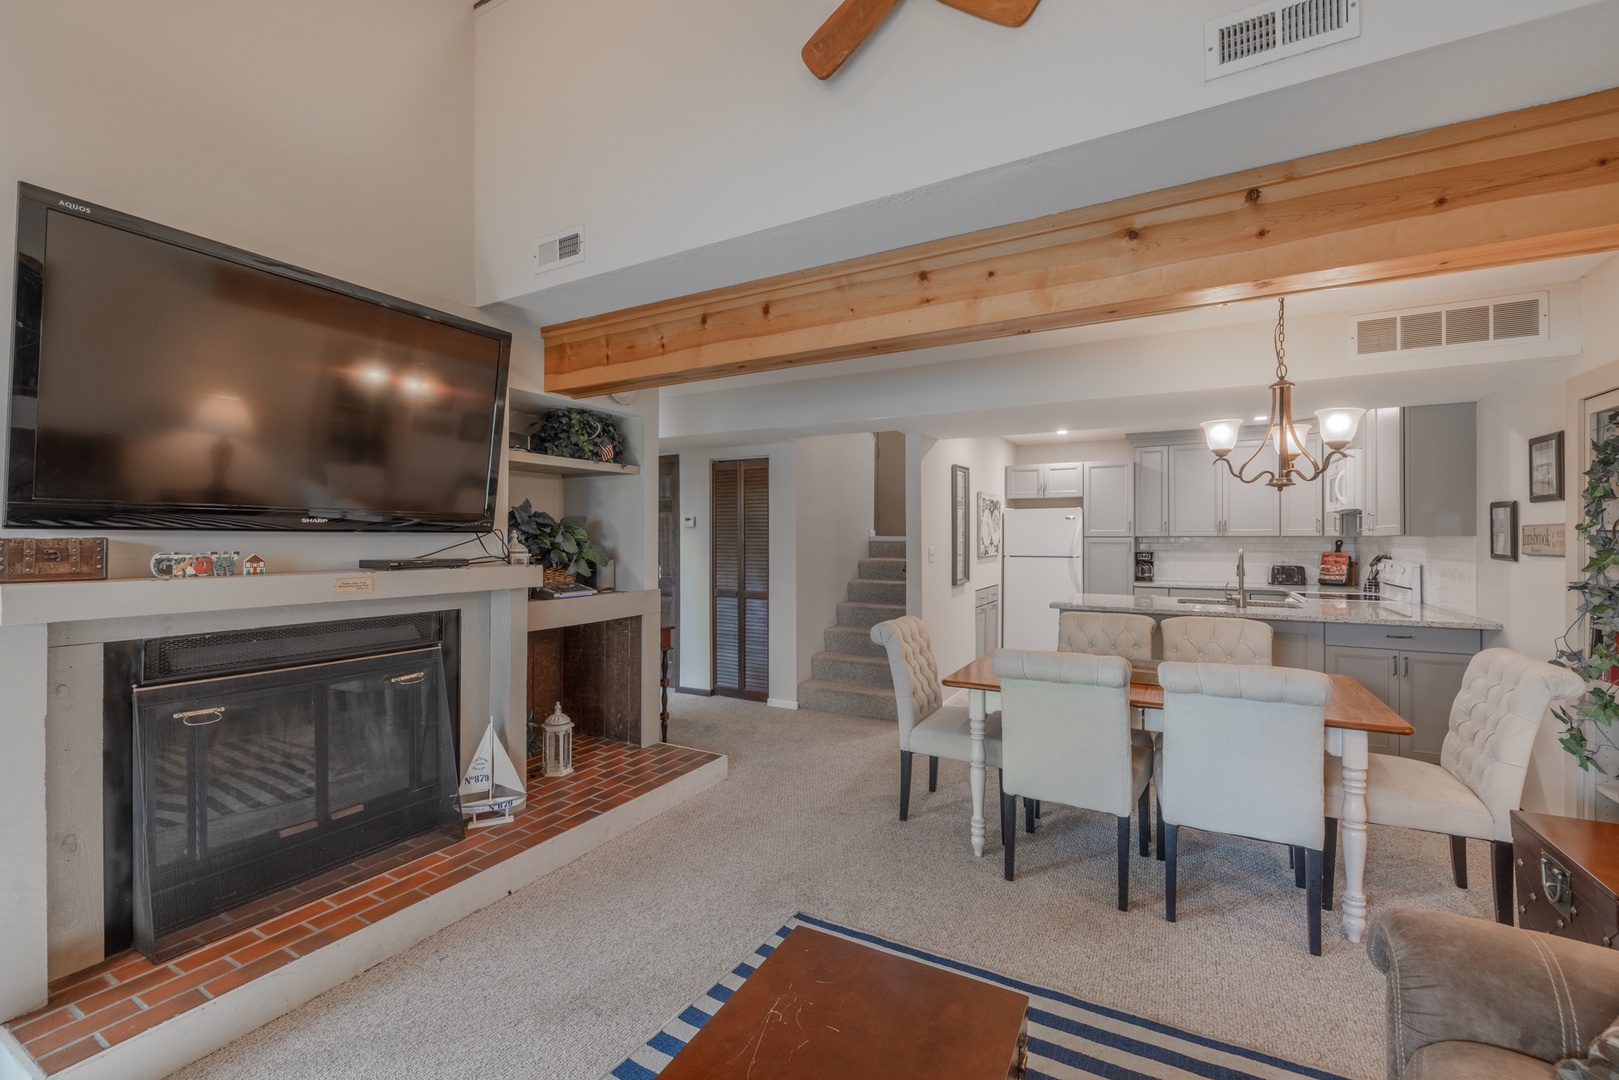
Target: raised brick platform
98,1008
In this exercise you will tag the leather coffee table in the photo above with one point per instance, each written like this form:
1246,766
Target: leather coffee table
822,1006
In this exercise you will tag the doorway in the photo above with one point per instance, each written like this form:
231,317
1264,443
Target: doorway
741,516
669,560
888,490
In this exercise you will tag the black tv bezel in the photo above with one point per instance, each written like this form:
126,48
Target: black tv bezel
22,509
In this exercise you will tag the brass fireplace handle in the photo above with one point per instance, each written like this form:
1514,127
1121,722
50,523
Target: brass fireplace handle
217,712
413,677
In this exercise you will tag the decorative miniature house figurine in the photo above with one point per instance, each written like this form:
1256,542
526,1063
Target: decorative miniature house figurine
558,734
252,565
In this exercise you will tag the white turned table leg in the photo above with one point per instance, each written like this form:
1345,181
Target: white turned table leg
975,728
1354,841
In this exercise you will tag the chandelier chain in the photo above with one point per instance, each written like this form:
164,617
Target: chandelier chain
1281,339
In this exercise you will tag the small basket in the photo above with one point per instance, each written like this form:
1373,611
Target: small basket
555,575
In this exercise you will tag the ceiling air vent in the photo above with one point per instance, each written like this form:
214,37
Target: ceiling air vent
1276,31
559,250
1473,322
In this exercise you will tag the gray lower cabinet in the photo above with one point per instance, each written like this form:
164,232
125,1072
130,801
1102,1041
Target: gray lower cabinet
1296,644
1417,673
987,619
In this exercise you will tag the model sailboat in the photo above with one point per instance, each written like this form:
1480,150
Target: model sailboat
492,788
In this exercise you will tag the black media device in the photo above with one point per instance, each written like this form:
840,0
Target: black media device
160,380
412,564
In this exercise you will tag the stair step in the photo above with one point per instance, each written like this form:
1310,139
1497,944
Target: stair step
854,668
854,613
872,591
882,569
821,695
886,549
852,639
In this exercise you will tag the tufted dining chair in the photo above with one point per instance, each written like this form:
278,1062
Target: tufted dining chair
1065,737
1482,763
926,724
1206,639
1107,633
1242,750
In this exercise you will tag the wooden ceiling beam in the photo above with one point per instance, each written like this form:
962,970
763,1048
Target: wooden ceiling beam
1538,183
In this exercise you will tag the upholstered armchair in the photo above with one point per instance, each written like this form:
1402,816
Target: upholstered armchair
1065,737
1242,751
1482,762
1205,639
1468,999
926,724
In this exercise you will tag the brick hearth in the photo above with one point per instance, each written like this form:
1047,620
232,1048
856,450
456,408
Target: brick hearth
93,1010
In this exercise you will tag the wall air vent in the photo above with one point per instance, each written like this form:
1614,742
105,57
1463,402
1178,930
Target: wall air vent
1275,31
559,250
1472,322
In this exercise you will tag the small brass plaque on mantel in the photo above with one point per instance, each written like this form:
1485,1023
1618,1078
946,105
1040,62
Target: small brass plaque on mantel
1544,540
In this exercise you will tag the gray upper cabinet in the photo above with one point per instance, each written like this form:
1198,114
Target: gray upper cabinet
1301,503
1194,493
1023,481
1441,477
1248,509
1109,498
1383,436
1152,491
1061,481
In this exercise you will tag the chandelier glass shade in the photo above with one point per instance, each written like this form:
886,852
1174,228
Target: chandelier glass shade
1294,462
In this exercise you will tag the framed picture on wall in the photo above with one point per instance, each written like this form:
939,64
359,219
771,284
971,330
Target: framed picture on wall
989,525
1546,468
1504,530
960,524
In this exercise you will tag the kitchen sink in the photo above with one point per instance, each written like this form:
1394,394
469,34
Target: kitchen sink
1210,601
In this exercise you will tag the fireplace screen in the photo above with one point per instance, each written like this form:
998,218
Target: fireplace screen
247,784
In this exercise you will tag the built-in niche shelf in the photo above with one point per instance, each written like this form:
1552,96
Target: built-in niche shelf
578,610
547,465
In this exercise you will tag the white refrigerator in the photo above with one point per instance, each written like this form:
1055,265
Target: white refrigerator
1043,557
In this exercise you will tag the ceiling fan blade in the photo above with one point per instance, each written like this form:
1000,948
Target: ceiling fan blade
1005,12
842,33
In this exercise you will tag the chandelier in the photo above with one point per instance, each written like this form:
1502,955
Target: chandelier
1294,461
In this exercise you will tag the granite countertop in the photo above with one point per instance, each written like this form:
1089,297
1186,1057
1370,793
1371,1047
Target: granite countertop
1252,586
1323,610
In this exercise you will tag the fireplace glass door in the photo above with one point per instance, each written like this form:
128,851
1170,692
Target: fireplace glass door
251,783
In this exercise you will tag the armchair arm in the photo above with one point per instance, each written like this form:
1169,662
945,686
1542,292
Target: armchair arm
1462,979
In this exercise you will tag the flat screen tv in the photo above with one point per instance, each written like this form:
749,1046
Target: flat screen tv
160,380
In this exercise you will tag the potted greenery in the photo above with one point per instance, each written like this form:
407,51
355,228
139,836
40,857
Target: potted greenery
561,547
578,433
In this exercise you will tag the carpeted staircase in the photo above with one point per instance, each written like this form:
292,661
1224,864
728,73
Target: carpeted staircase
851,675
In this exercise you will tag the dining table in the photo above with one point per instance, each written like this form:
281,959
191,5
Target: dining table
1353,714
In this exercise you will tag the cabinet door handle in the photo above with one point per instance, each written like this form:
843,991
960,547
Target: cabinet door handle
1130,526
1400,637
1394,662
1408,667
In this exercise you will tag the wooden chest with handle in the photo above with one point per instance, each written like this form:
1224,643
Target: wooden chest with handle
1567,872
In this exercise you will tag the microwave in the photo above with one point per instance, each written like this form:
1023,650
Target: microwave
1345,487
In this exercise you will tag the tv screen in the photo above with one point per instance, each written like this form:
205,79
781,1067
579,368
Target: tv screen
161,380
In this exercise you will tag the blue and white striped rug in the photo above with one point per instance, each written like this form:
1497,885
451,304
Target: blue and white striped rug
1068,1038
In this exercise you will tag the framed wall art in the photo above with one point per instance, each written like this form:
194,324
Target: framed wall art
989,525
960,525
1504,530
1546,468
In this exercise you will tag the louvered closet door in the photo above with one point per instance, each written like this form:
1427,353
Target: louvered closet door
741,493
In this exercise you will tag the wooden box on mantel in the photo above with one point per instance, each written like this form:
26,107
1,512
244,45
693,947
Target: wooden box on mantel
1567,871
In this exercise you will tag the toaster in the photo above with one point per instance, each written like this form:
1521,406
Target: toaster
1287,575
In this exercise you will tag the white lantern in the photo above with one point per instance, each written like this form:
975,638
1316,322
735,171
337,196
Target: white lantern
557,732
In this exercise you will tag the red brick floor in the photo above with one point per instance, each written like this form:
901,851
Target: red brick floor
96,1008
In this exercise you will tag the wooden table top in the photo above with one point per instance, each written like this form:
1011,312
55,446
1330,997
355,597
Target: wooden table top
823,1006
1594,845
1352,706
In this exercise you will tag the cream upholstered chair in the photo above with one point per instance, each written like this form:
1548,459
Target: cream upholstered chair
1479,779
1206,639
1107,633
1065,737
926,725
1242,752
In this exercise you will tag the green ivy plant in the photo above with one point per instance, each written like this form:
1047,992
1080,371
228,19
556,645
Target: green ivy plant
1595,713
557,543
578,433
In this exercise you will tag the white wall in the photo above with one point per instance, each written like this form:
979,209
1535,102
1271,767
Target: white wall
697,566
948,609
662,127
333,136
835,495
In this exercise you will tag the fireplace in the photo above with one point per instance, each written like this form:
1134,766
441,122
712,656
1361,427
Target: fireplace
247,762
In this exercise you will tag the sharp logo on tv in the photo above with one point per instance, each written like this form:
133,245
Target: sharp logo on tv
315,521
73,206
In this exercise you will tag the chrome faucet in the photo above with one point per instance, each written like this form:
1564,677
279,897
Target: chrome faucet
1242,592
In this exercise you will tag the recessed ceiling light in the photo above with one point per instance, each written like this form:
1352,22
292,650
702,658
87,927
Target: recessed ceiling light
1062,431
1260,419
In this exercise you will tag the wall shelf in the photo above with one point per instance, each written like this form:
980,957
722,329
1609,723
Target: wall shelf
575,610
545,464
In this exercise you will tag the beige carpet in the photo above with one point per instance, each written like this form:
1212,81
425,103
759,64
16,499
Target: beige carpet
564,978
